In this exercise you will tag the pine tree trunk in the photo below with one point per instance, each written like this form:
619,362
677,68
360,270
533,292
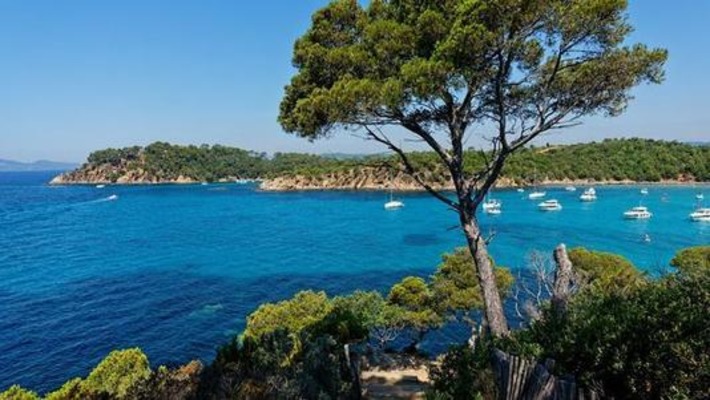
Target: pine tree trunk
497,323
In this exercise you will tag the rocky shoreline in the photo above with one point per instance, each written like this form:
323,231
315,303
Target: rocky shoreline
287,184
367,178
100,176
282,184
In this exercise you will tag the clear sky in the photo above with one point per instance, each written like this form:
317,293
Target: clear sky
80,75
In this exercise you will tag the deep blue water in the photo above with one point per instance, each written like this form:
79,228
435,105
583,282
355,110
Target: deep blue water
175,269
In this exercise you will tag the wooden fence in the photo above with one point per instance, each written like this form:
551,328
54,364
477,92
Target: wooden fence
521,379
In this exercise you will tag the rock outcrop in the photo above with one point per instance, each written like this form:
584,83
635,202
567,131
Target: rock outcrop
125,173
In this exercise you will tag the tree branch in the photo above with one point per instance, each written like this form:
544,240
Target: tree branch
409,167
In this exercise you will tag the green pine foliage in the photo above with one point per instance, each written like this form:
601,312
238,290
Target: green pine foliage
16,392
693,260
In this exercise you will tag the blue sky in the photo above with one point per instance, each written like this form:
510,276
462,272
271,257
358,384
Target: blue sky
79,75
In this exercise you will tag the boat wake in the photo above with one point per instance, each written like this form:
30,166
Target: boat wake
113,197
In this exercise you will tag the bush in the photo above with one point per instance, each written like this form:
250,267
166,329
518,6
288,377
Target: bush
118,373
651,342
463,374
692,260
17,393
604,271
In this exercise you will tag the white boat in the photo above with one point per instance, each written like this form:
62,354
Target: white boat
570,188
644,191
521,190
589,195
550,205
701,215
639,212
494,211
536,195
100,186
492,204
393,204
112,197
699,196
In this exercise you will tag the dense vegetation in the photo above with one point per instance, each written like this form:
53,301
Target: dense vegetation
623,335
614,159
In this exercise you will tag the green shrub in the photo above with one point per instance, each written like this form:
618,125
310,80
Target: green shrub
17,393
693,260
463,374
649,342
606,272
71,390
118,373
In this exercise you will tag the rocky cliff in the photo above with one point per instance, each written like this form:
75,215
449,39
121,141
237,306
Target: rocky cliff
122,173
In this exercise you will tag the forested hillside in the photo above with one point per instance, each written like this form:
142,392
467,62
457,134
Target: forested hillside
610,160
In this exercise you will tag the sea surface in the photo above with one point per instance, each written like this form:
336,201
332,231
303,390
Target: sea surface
176,269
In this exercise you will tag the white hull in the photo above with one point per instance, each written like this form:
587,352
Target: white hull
589,195
536,195
638,213
637,216
492,205
393,205
550,205
700,215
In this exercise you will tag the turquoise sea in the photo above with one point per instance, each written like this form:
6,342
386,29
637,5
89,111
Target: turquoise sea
175,269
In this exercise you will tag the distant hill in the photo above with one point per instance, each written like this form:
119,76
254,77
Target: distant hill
41,165
610,161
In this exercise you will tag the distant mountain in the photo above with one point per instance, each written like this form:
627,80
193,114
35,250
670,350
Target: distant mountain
702,144
41,165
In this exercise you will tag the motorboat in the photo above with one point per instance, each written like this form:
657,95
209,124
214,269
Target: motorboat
639,212
550,205
493,211
701,215
100,186
492,206
644,191
589,195
521,190
700,196
112,197
570,188
537,195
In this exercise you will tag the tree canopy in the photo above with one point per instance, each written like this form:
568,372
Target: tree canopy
513,69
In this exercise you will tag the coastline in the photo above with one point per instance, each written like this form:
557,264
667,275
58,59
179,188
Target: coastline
267,185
